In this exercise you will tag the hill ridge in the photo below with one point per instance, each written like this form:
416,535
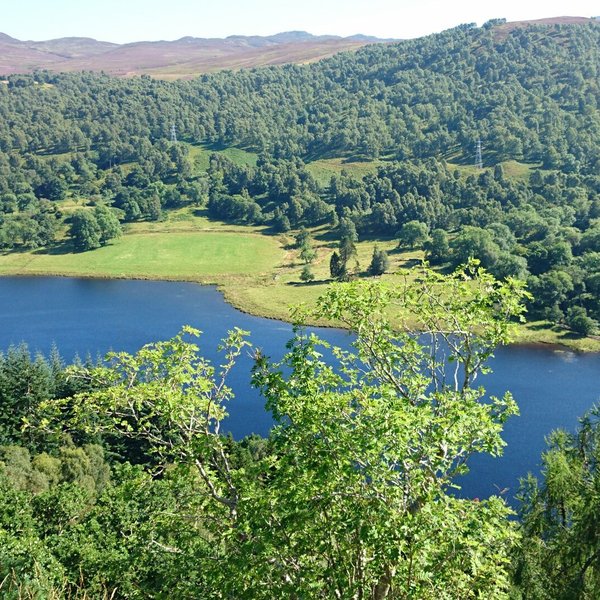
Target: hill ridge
191,56
186,56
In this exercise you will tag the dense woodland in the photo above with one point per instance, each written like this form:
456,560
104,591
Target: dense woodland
115,478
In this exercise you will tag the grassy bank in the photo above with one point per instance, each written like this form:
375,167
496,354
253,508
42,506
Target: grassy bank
258,272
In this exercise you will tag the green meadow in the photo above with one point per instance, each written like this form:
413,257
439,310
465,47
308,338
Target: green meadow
258,273
200,256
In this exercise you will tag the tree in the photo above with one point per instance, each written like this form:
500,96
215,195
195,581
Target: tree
379,262
474,242
379,517
550,291
337,268
347,229
347,249
281,223
437,248
307,252
92,229
53,188
108,223
168,396
24,384
413,234
307,275
578,320
353,498
85,231
559,556
302,237
509,265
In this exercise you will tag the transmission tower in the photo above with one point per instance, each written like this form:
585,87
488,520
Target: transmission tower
478,155
173,133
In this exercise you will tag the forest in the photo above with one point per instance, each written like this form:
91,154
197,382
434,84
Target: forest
117,477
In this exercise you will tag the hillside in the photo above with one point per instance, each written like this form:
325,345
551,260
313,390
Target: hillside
186,57
376,145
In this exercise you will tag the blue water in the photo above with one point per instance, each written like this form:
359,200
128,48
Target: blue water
86,316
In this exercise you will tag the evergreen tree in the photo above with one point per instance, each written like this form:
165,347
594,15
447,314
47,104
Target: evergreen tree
337,268
379,262
559,553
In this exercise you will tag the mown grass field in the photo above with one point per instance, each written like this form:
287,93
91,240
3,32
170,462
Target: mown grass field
258,273
199,256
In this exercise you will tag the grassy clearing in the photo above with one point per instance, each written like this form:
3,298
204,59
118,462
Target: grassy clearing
543,332
259,273
191,219
275,295
517,170
512,168
323,169
200,155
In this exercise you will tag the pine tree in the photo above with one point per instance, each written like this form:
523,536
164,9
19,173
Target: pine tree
337,268
379,262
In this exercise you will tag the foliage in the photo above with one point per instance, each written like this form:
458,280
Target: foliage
26,384
367,455
307,275
559,555
579,322
307,252
337,268
418,106
86,231
352,494
413,234
437,248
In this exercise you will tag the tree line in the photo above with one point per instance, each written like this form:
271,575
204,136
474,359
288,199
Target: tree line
530,94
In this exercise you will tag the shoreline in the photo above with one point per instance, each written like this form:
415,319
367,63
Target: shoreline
522,338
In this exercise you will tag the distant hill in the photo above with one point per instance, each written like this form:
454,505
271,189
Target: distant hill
505,28
73,47
549,21
186,57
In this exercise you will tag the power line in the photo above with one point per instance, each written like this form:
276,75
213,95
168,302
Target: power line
478,155
173,133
